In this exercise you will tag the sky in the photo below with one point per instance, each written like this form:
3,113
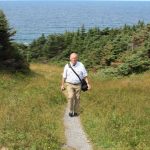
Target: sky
76,0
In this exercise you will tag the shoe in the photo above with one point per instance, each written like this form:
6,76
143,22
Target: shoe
71,114
76,114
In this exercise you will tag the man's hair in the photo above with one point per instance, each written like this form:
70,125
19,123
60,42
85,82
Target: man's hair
73,54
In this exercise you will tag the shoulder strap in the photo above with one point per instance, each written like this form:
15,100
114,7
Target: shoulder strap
74,72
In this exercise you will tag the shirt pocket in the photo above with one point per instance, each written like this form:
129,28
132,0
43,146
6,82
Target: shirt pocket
69,71
79,73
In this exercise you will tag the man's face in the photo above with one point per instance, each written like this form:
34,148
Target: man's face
73,59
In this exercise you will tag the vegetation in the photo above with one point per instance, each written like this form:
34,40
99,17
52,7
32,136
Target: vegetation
10,58
115,113
120,51
32,113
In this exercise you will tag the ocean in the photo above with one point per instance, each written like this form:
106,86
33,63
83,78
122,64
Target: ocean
32,18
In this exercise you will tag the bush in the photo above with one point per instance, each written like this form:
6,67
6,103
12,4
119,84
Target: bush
110,71
136,63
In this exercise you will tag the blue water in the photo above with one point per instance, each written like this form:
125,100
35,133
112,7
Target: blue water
31,18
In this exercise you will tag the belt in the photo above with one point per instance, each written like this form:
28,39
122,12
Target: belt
73,83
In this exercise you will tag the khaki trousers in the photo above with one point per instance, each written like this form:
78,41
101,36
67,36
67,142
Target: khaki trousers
73,96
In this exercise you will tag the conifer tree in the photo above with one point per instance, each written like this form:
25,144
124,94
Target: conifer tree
5,37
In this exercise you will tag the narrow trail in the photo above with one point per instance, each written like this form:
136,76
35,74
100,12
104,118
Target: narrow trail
76,138
75,135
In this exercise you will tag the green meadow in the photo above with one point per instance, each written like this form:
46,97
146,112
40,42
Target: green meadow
115,112
32,109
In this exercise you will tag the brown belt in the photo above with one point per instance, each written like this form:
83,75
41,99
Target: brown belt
73,83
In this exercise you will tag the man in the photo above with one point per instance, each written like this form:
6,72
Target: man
73,84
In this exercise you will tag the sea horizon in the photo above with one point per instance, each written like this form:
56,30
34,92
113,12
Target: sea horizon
32,19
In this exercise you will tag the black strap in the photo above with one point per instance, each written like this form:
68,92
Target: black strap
75,72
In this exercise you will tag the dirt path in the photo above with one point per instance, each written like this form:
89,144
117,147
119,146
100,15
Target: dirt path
76,137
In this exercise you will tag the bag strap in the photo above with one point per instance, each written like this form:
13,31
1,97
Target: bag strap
75,72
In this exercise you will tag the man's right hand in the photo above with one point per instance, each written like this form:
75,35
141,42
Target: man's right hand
62,87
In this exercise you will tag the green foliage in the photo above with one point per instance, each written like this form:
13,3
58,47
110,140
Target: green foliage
98,48
128,47
5,37
135,63
10,58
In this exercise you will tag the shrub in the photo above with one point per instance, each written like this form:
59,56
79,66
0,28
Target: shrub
136,63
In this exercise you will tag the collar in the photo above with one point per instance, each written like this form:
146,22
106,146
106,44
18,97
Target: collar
72,64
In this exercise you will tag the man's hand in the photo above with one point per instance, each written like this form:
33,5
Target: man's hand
62,87
89,87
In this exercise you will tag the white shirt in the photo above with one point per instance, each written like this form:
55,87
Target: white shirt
70,76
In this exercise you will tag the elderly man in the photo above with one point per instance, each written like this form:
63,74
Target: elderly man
73,83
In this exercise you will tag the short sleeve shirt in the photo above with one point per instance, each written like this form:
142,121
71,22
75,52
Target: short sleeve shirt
70,76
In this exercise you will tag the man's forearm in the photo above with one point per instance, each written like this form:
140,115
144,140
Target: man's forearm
62,84
86,79
63,81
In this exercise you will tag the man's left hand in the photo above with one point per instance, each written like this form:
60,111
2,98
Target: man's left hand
89,87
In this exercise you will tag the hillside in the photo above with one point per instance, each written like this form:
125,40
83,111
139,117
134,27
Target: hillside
31,109
118,51
115,113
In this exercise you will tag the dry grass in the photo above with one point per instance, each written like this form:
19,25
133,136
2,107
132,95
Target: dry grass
32,109
116,113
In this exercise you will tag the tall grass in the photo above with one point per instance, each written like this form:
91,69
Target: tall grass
32,109
116,113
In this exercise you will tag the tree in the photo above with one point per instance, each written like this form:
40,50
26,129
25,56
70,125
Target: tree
100,48
83,31
10,58
5,37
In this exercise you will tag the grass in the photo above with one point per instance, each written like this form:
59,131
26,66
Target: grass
116,112
32,109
